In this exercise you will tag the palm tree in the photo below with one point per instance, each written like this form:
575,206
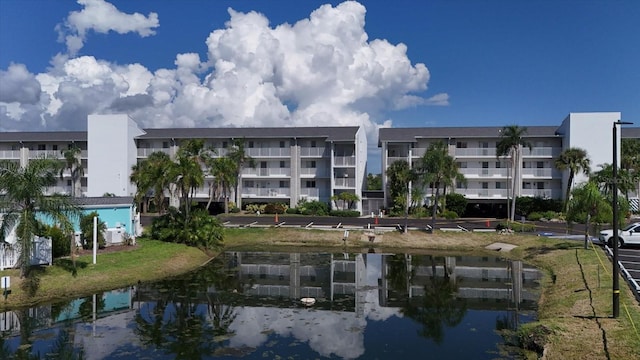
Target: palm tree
587,203
400,175
187,172
74,165
511,140
575,160
438,169
152,176
23,203
223,170
241,159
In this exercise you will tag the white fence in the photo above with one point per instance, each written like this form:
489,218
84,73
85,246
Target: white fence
41,253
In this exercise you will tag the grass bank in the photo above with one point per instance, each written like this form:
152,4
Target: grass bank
575,306
148,260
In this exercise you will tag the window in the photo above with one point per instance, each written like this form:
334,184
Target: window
54,147
498,165
484,144
540,164
284,184
282,144
540,185
311,164
69,183
313,143
461,144
42,147
248,184
310,184
459,185
462,165
250,144
282,164
485,185
165,144
485,164
224,144
526,185
498,185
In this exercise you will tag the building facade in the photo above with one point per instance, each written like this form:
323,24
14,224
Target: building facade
292,163
488,176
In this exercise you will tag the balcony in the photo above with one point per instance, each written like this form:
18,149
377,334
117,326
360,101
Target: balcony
345,182
268,152
539,173
475,152
475,193
9,154
484,172
51,154
314,172
310,192
344,161
313,152
543,193
145,152
541,152
266,192
267,172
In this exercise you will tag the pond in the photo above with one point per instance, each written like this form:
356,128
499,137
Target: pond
248,305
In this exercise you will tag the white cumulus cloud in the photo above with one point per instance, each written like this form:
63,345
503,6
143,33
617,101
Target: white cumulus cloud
319,71
102,17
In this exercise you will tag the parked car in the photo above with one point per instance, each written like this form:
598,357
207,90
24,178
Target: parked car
628,235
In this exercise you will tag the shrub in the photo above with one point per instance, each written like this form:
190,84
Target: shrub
345,213
86,227
516,227
457,203
60,242
292,211
525,205
550,215
313,208
534,216
201,230
450,215
275,208
254,208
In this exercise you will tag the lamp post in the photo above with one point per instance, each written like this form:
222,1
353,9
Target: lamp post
616,268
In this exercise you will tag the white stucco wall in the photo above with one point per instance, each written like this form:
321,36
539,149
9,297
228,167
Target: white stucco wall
111,154
592,132
361,162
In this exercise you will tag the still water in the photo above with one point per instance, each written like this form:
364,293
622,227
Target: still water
248,305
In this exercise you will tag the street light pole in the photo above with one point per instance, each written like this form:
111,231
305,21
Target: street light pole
614,203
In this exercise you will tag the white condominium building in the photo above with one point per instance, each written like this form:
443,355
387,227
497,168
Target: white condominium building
291,162
488,179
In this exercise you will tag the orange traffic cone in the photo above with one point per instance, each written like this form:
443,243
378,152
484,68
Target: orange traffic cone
276,218
375,221
488,223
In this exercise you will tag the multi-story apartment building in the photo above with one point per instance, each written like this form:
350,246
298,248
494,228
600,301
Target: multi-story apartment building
291,163
488,176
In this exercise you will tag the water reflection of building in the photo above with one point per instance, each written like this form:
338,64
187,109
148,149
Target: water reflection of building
486,282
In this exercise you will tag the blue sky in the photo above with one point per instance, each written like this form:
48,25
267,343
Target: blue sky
490,63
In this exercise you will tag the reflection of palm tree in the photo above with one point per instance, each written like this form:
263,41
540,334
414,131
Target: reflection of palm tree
438,307
399,275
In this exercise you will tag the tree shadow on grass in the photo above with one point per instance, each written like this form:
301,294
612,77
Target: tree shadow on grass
69,265
540,250
31,282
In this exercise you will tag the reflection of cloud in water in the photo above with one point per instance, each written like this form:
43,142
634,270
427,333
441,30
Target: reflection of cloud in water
327,332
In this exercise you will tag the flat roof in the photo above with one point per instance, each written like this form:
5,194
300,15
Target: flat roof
413,134
29,136
333,133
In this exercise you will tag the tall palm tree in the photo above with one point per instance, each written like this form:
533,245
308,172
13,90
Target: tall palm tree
241,159
223,170
438,169
587,203
575,160
511,141
23,203
74,165
400,175
152,176
187,171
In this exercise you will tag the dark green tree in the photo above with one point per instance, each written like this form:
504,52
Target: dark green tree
400,175
86,228
575,160
74,165
374,181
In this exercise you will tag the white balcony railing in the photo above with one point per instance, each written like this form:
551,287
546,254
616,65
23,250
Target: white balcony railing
473,152
274,172
52,154
317,172
345,182
536,172
9,154
344,161
144,152
484,172
541,152
266,192
311,192
543,193
268,152
313,151
483,193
